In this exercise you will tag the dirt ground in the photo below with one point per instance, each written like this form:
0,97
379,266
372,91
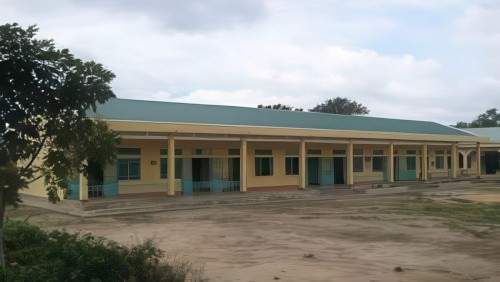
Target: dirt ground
361,239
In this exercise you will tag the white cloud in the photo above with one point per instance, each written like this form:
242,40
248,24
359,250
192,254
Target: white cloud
298,53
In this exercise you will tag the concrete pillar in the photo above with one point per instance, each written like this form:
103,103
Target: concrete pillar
465,161
454,160
302,164
425,169
171,166
391,163
478,160
350,161
243,165
84,187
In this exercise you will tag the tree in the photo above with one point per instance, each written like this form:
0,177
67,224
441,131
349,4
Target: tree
342,106
281,107
46,94
490,118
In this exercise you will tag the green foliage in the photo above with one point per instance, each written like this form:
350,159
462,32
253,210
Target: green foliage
281,107
342,106
37,255
490,118
46,94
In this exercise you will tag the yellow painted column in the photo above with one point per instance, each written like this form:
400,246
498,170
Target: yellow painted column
171,166
454,160
350,161
243,165
425,169
478,160
84,187
391,163
302,164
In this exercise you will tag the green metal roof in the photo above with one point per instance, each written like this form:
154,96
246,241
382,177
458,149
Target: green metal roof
491,132
138,110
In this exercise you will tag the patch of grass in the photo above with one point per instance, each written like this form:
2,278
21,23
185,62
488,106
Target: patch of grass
460,200
468,212
474,231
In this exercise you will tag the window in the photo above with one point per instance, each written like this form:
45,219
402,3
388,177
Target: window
292,165
201,152
129,163
449,162
314,152
439,162
339,152
263,162
129,151
358,164
164,168
378,160
358,152
129,169
164,152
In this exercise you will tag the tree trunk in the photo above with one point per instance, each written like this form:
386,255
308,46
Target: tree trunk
2,216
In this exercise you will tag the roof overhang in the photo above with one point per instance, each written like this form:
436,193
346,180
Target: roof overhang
239,130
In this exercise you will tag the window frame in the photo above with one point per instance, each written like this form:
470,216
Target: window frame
128,155
178,168
439,162
262,155
128,162
292,165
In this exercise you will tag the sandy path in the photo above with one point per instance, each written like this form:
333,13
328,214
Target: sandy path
350,242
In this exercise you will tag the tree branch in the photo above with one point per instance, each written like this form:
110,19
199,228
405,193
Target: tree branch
35,179
34,156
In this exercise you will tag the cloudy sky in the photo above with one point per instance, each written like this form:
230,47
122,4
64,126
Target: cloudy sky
430,60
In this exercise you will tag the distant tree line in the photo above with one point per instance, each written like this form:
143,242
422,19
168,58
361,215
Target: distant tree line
338,105
281,107
490,118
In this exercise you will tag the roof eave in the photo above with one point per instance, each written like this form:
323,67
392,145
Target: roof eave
176,127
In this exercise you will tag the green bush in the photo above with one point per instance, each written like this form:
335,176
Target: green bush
33,254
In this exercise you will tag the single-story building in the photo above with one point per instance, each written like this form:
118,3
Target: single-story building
185,149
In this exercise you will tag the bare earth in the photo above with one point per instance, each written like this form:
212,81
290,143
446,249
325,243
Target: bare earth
343,240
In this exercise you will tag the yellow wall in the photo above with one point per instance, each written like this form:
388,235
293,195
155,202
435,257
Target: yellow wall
434,172
36,188
150,163
279,177
368,175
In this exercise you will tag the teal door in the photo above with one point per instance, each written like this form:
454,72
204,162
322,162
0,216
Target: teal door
338,170
407,168
326,171
313,171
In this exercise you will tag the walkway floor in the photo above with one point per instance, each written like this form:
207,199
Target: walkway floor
150,203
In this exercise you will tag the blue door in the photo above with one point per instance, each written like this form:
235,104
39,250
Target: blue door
326,171
407,168
313,171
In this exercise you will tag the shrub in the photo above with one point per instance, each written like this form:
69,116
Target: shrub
33,254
